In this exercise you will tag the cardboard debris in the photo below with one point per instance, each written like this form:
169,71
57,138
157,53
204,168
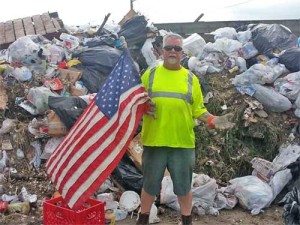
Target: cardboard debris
3,95
69,75
56,127
135,151
6,145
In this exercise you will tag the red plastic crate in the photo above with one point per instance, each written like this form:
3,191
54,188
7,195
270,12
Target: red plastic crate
56,212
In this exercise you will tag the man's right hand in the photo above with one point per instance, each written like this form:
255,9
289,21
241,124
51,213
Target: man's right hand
150,108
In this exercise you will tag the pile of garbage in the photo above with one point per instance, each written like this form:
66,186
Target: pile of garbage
252,71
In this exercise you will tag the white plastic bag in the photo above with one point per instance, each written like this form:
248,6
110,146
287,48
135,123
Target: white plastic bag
297,104
241,63
38,96
153,218
279,181
225,200
129,201
54,53
203,191
248,50
244,36
253,193
24,51
227,32
7,126
166,192
271,99
147,51
50,146
70,41
289,85
228,46
22,73
193,45
256,74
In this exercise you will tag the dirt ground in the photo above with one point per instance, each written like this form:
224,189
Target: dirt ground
38,183
236,216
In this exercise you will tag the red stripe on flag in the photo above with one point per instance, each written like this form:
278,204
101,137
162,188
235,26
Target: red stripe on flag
93,186
58,168
94,147
81,138
56,156
73,148
91,115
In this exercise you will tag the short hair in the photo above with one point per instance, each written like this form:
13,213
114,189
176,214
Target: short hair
172,36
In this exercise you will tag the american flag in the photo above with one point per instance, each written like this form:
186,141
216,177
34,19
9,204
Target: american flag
97,141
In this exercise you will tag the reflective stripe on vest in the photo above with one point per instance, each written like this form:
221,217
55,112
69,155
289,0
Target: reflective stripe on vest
186,97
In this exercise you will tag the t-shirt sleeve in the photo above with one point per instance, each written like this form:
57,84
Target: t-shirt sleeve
198,101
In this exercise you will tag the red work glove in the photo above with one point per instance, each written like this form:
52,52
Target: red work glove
220,122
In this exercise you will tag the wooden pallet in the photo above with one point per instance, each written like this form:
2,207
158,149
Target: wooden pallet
44,24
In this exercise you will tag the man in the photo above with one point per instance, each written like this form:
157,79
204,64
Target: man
167,130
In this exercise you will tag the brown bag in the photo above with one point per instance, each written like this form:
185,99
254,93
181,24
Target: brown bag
56,128
69,75
74,91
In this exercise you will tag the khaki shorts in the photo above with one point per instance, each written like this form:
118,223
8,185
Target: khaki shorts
179,162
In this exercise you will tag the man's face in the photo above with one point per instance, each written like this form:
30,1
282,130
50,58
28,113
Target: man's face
172,51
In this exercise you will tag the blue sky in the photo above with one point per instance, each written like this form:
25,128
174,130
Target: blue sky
158,11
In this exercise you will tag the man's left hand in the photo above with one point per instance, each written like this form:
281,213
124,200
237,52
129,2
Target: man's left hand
223,122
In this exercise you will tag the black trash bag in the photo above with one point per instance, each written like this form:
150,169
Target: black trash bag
291,59
202,80
185,61
108,40
138,57
128,175
270,38
92,77
103,56
205,88
250,62
243,27
68,109
295,168
96,65
291,207
104,32
135,30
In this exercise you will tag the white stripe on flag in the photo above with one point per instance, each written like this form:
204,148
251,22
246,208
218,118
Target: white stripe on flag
61,158
89,143
71,135
98,171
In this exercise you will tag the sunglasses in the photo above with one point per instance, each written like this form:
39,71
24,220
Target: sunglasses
170,47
